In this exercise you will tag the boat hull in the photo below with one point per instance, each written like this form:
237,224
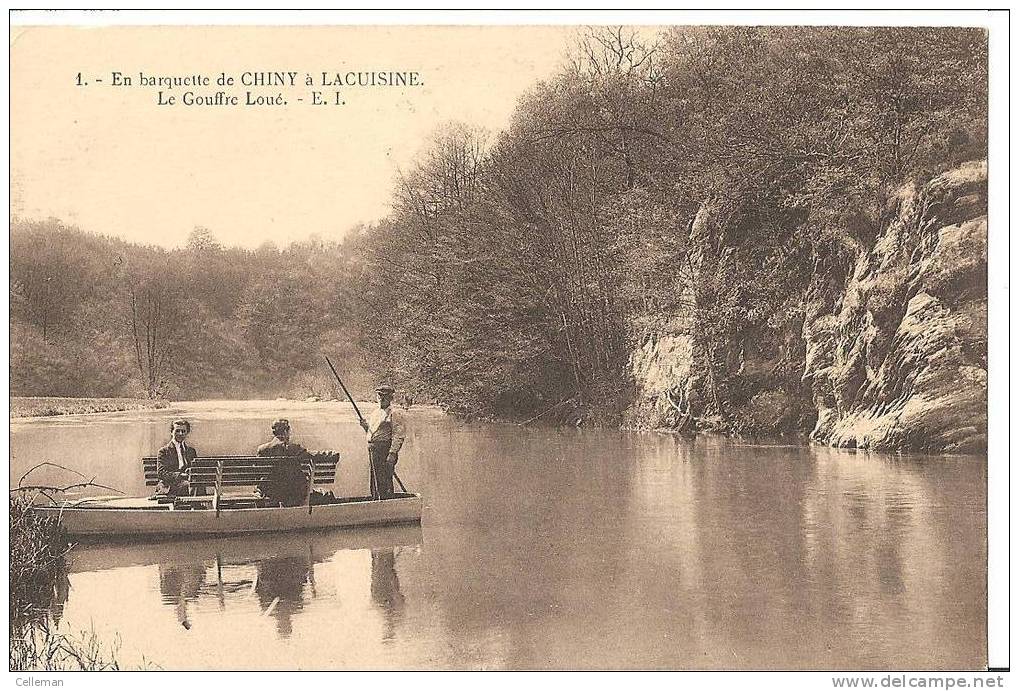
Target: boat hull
99,554
134,517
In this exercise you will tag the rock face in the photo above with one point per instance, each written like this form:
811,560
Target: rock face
893,356
662,371
664,368
901,361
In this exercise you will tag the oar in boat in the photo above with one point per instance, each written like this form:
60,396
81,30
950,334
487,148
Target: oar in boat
371,478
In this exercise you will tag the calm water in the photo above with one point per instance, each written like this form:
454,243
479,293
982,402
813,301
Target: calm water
575,549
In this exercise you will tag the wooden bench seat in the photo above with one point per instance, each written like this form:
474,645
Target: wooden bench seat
211,477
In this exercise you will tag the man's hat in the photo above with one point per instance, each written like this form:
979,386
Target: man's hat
280,425
385,389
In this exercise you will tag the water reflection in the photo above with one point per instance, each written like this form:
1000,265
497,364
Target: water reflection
180,584
580,549
51,604
386,589
277,572
280,587
805,558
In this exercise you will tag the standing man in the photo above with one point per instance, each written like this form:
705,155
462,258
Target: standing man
386,433
174,459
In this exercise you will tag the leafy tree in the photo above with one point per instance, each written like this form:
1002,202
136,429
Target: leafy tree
716,182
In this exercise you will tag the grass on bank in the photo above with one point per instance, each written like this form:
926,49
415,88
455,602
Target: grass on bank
38,547
38,580
40,648
43,406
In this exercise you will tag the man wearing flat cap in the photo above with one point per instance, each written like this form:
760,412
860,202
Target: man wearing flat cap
386,433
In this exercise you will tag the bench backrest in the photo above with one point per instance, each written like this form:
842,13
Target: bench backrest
245,471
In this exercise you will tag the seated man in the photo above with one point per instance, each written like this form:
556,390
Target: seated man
287,483
173,460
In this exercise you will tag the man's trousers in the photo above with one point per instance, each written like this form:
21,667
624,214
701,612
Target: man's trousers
382,469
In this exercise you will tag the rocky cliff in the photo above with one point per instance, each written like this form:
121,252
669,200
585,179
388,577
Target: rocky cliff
662,369
901,360
892,356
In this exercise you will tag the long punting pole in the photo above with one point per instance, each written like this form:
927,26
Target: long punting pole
360,417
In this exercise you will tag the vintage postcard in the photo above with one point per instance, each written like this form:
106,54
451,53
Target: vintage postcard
647,341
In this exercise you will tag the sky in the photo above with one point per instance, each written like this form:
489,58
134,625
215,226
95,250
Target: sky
111,160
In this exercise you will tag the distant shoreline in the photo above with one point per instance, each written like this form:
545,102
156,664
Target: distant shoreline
23,407
49,406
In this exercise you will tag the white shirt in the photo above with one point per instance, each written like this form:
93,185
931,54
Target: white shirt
181,460
378,416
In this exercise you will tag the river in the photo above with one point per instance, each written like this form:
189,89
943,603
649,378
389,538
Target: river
541,548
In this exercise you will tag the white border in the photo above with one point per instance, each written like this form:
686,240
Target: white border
999,250
998,340
804,17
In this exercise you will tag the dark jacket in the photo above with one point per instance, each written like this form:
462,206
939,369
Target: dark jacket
167,465
286,483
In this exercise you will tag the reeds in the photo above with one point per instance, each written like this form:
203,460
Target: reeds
38,546
41,648
38,581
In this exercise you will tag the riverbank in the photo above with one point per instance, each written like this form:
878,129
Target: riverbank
45,406
39,586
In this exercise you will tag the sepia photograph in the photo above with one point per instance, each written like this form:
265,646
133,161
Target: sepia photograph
497,342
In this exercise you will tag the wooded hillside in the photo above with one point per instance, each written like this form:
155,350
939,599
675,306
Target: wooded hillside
708,182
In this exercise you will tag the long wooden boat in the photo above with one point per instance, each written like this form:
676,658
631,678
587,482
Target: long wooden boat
138,516
90,555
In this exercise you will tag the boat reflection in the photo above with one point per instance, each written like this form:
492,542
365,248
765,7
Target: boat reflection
275,571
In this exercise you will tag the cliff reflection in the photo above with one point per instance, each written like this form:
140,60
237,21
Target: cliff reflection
787,557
